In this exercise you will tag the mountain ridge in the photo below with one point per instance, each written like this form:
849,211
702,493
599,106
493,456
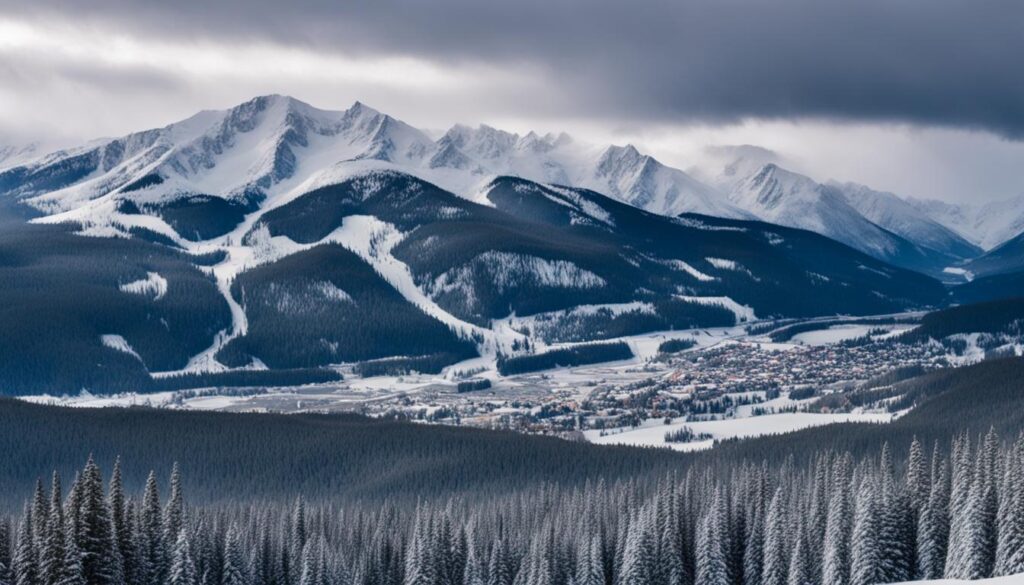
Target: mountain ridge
296,137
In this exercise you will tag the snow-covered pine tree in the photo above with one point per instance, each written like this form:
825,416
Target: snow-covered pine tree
712,568
51,564
498,570
151,551
776,550
40,522
26,558
588,562
865,550
976,539
73,572
475,572
100,561
933,524
183,567
1010,548
753,552
173,514
838,526
234,563
671,570
6,576
800,572
638,554
419,564
309,574
121,525
960,490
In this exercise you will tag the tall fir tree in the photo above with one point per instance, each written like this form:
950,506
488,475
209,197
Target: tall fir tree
100,559
776,547
151,555
121,526
838,526
234,563
6,574
1010,547
26,558
183,567
52,559
933,525
865,549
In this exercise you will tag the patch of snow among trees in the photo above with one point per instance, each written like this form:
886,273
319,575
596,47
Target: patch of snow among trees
507,270
684,267
153,285
723,264
118,343
743,313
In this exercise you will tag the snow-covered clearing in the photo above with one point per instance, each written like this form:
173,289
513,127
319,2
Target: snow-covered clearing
961,272
839,333
118,343
744,314
153,284
652,431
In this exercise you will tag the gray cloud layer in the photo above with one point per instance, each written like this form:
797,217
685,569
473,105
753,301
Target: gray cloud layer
931,62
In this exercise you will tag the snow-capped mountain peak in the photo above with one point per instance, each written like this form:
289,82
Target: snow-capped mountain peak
641,180
988,224
276,147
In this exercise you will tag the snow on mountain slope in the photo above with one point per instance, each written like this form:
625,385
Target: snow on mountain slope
275,146
15,155
785,198
779,196
1005,258
271,149
240,153
620,171
986,225
641,180
901,217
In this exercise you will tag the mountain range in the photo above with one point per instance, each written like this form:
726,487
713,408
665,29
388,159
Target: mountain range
927,236
277,237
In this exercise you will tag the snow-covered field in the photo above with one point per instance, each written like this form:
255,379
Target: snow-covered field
838,333
652,432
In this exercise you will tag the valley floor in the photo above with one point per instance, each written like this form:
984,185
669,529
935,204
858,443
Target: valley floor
731,383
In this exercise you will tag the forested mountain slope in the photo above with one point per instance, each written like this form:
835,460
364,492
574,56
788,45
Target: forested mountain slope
336,498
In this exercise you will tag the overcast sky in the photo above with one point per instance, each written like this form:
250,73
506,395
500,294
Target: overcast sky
921,97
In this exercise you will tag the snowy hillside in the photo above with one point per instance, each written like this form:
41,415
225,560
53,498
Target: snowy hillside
14,155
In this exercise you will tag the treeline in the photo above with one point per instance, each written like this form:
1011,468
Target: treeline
322,456
473,385
400,366
838,521
577,355
1004,316
603,323
243,378
790,331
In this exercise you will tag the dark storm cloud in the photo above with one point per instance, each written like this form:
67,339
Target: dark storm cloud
931,62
